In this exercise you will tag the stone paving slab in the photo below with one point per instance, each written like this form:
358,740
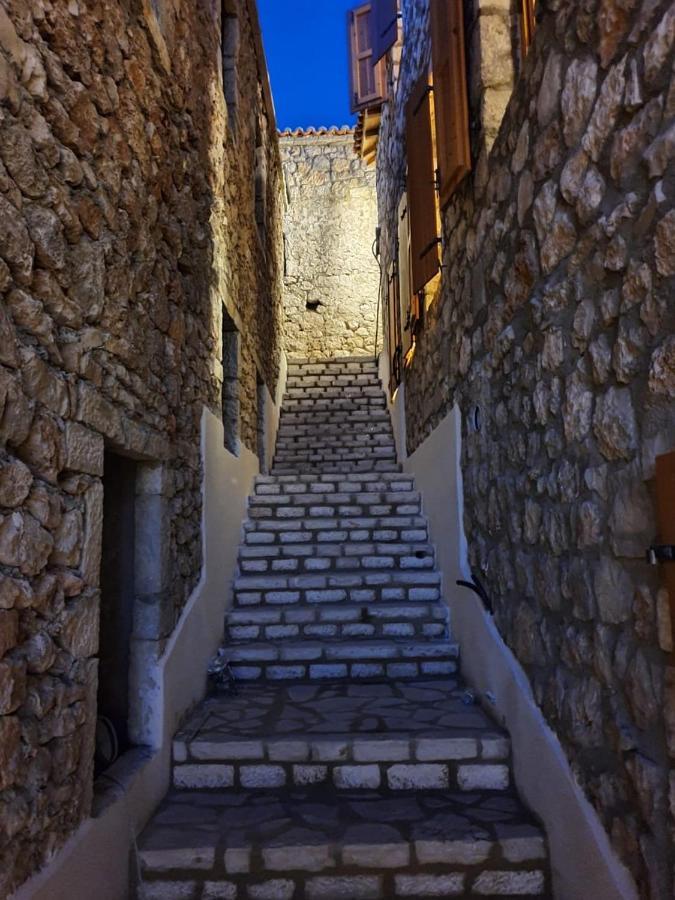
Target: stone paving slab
342,736
418,845
382,710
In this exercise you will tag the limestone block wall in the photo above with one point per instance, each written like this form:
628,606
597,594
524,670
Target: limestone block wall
331,278
127,222
555,321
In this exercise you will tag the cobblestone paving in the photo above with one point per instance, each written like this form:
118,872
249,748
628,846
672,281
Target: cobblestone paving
381,709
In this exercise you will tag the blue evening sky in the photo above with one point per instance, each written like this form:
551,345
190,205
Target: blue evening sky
306,48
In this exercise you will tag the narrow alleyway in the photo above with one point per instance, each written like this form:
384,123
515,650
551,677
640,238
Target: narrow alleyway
345,764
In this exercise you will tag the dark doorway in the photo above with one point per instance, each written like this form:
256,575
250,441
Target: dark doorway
230,383
117,608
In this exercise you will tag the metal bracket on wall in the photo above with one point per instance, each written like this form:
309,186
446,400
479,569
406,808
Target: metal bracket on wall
661,553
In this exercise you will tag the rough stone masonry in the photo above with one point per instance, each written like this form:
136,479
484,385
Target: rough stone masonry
122,169
556,321
331,279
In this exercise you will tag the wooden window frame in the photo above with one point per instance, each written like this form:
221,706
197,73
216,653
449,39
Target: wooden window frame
422,185
359,101
527,25
451,99
394,325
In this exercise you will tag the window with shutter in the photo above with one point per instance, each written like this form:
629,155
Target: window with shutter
394,327
422,205
450,95
384,25
405,287
367,83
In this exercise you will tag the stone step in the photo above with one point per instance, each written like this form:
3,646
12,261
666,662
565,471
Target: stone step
334,370
410,520
340,660
328,405
354,434
329,560
342,735
310,499
355,466
348,374
329,389
321,588
337,621
355,573
315,453
320,845
298,506
327,481
356,419
367,442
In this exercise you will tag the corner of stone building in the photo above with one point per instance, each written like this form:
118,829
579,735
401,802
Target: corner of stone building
120,175
331,279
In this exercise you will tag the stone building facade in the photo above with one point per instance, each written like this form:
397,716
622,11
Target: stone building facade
552,334
140,230
331,278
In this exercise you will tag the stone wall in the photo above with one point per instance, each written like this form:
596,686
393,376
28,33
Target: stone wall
555,322
331,278
127,219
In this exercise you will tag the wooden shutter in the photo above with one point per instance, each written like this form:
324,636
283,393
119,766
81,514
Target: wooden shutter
450,95
665,517
405,288
394,327
368,81
526,25
424,242
384,24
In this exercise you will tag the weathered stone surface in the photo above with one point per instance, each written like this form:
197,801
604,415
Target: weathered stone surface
664,244
15,482
577,98
662,369
83,450
614,424
605,111
568,353
330,278
613,591
17,249
24,543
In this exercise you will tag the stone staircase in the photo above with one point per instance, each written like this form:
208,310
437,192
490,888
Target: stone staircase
346,765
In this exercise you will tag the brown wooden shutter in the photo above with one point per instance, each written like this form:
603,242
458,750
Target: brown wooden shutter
425,258
526,25
665,517
384,24
405,287
394,327
450,95
367,82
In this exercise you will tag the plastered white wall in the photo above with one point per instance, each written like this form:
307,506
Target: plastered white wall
583,862
396,406
95,861
273,411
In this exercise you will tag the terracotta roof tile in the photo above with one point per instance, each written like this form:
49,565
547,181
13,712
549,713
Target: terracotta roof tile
314,132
